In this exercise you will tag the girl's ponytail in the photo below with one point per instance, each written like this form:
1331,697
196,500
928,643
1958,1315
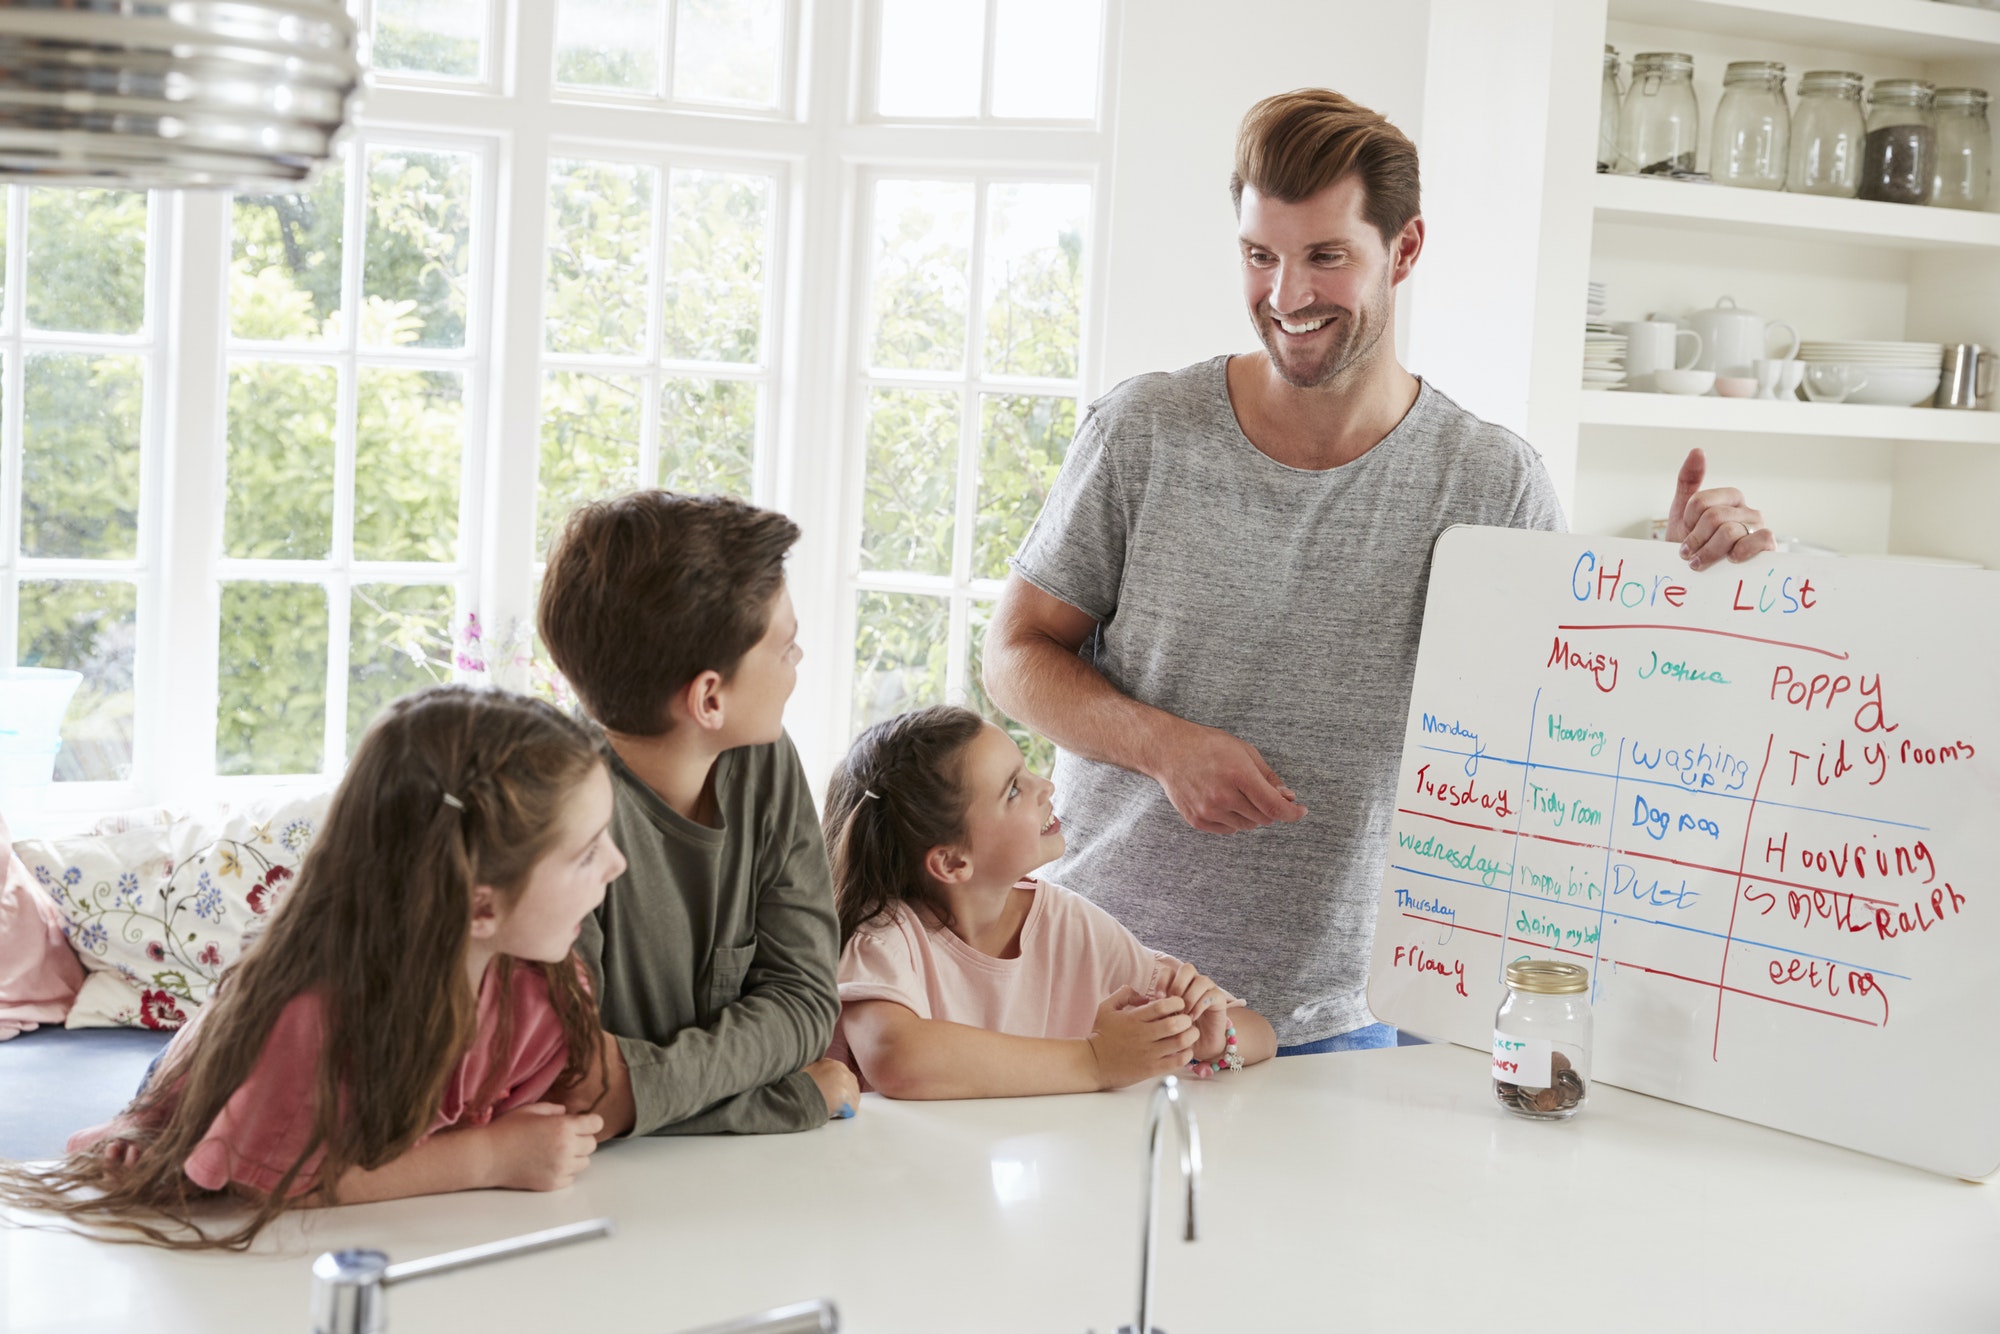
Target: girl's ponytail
894,797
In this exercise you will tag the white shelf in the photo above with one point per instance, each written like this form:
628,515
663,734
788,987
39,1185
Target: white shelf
1729,210
1772,417
1914,29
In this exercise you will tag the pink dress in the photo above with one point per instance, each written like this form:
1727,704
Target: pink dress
267,1122
1073,955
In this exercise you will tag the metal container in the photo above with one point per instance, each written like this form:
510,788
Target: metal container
1967,378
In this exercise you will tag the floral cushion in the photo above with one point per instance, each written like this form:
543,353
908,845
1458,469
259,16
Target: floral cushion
157,913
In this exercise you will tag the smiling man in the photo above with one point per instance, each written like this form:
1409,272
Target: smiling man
1216,615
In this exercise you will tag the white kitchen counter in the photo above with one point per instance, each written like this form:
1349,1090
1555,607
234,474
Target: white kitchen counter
1368,1191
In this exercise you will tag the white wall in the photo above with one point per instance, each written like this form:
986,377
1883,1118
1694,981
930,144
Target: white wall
1188,70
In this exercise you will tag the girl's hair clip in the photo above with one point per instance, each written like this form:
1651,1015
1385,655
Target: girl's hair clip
453,802
871,792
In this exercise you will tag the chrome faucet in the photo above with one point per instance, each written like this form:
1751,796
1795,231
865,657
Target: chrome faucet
1167,1095
347,1285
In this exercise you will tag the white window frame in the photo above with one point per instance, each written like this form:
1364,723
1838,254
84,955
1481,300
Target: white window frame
810,449
972,383
153,347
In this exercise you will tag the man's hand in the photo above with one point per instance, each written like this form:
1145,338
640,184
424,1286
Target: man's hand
837,1085
1710,525
1220,784
1135,1039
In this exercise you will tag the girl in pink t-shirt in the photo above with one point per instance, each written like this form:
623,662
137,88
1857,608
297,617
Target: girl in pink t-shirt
960,977
412,1021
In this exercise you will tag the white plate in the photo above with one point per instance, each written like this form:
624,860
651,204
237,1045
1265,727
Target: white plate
1604,377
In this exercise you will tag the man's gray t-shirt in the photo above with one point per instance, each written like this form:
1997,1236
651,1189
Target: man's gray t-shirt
1279,604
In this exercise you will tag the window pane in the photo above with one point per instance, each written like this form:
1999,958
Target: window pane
1023,440
912,480
708,436
728,51
600,256
284,267
1034,278
590,443
930,57
900,645
1045,59
87,627
1041,751
429,36
409,443
413,275
271,708
80,456
923,253
279,478
717,223
87,260
609,44
398,640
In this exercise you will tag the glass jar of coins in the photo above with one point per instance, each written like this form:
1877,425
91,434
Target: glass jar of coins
1541,1040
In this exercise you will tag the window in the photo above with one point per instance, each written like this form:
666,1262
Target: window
652,261
350,364
973,336
79,457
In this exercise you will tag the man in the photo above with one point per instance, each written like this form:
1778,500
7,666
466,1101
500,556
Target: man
1216,615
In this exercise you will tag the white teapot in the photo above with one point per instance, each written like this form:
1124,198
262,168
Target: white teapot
1733,338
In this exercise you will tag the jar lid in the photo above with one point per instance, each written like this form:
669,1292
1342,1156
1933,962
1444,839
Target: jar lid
1664,62
1912,92
1831,81
1740,70
1962,98
1546,977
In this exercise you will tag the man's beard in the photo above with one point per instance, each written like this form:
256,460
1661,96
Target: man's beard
1353,341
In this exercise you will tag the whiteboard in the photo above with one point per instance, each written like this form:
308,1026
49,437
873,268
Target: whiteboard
1757,802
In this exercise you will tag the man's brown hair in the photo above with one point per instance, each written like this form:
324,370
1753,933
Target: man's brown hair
1296,144
647,591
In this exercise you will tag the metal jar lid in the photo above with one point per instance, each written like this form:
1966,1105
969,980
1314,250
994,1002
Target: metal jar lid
1753,71
1845,82
1546,977
1663,62
1904,92
1961,99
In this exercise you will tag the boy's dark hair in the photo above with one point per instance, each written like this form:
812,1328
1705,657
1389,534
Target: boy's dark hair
896,795
1295,144
646,591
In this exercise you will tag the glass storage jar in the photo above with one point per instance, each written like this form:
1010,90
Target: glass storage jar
1659,124
1964,148
1827,133
1541,1040
1753,127
1607,112
1899,156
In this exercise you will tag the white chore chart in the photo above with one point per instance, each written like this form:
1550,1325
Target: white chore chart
1757,802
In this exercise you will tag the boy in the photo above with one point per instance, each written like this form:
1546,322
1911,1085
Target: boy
714,953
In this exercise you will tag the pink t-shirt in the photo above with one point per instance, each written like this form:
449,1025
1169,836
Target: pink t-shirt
1073,955
267,1122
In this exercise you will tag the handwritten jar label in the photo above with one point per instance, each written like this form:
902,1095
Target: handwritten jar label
1522,1061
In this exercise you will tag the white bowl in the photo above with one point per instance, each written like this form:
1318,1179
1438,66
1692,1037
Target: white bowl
1735,386
1893,386
1684,382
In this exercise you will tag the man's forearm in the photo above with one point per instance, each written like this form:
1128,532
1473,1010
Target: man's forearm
1047,686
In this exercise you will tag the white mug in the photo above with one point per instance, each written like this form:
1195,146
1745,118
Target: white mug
1778,377
1654,345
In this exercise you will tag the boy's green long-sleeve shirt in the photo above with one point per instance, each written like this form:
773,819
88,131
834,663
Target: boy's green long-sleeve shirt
714,954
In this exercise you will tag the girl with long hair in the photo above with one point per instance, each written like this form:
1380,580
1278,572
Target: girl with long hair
961,976
412,1021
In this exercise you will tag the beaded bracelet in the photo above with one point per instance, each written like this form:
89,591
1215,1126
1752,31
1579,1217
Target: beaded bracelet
1231,1059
